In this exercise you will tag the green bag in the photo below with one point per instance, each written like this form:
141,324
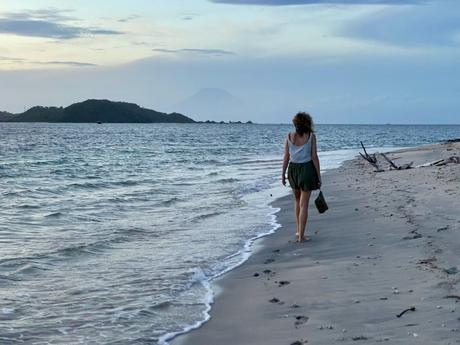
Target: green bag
320,203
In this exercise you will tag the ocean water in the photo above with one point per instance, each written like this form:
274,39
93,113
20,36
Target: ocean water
111,234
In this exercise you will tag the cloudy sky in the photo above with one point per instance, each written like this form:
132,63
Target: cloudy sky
344,61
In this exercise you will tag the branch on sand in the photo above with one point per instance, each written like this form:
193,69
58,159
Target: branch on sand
396,167
441,162
373,160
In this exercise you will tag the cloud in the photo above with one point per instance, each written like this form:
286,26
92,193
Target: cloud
52,14
48,23
317,2
66,63
435,24
215,52
9,59
189,16
129,18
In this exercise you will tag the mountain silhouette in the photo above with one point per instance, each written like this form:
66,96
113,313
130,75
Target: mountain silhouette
211,103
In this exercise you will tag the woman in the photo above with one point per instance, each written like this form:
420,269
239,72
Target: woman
304,170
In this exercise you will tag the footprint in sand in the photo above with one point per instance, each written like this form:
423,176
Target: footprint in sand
300,320
300,342
283,283
269,273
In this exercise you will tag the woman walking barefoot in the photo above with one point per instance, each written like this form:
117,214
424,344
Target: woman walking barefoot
304,171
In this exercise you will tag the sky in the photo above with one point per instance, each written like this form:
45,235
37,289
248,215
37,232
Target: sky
343,61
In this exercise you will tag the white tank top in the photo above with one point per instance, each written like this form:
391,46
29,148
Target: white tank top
300,154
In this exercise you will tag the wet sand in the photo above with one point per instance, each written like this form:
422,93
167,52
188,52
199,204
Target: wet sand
390,242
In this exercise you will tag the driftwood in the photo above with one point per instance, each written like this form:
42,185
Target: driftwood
441,162
453,159
396,167
372,159
429,163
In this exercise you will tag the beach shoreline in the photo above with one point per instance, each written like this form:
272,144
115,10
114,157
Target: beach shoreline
386,245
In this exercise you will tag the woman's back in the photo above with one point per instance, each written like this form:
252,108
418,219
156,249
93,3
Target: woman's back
299,147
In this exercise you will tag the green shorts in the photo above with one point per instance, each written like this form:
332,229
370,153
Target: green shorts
303,176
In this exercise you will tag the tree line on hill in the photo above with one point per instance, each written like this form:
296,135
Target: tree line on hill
100,111
95,111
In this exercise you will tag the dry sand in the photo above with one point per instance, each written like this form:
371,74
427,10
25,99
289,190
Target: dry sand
389,242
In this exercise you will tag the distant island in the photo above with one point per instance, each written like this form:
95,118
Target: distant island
95,111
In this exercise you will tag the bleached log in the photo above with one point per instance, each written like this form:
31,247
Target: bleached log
441,162
429,163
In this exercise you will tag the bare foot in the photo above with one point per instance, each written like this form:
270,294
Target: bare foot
303,239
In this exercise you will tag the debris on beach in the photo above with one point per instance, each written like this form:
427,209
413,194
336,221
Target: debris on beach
405,311
396,167
300,342
412,237
453,297
373,160
360,337
325,327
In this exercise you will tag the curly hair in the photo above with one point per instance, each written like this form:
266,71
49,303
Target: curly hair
303,123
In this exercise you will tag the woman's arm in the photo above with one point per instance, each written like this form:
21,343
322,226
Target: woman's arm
315,159
285,162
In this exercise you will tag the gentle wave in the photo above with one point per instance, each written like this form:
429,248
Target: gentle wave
20,265
206,281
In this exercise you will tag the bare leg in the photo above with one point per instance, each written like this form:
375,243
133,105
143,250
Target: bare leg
296,210
303,214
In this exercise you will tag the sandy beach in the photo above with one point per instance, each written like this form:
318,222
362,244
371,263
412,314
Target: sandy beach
389,243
